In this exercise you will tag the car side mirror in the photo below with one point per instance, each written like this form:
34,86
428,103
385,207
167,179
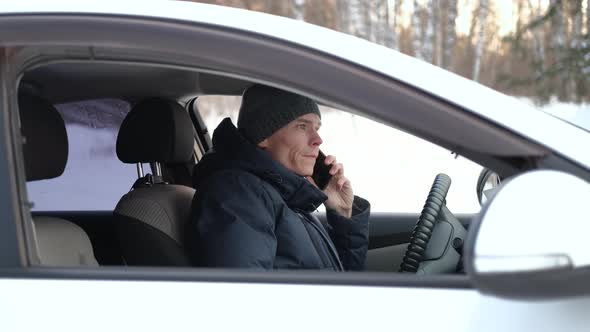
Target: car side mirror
487,184
531,238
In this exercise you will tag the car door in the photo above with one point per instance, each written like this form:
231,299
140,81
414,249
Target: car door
172,298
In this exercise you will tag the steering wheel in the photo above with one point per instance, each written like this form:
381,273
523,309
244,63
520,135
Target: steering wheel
425,226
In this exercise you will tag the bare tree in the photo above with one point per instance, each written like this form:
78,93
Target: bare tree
396,16
558,41
557,25
450,38
538,35
382,25
576,43
482,14
428,39
435,22
343,8
575,9
418,31
299,9
371,19
359,24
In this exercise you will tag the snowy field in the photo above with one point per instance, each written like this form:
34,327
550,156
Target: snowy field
392,169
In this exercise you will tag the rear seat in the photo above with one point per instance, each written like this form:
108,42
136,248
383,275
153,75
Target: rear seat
59,242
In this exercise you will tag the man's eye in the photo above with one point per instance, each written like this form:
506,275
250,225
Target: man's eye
301,126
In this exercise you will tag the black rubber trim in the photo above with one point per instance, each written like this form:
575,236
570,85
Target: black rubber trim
370,279
538,286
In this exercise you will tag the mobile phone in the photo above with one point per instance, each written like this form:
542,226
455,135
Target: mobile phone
321,172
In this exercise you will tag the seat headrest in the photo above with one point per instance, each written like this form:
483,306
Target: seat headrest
45,147
156,130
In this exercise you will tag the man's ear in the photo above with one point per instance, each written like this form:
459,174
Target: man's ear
263,144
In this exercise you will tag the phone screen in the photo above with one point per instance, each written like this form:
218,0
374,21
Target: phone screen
321,172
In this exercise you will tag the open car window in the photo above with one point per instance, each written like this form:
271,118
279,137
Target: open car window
392,169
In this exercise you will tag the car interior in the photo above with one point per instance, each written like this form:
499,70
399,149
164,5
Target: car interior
163,129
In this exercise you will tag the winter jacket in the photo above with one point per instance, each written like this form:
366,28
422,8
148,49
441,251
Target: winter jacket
250,211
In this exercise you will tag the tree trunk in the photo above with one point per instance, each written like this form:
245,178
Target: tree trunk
538,36
576,43
557,27
397,11
417,31
382,21
429,39
343,8
558,42
576,13
482,14
358,23
450,39
372,19
299,10
435,16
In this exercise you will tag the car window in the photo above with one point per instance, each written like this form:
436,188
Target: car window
392,169
94,179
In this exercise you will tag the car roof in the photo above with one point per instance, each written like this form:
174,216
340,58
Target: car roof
484,102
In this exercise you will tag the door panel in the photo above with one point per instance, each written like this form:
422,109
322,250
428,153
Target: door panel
129,305
386,259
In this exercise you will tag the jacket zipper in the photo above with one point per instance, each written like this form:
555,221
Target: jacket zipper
325,237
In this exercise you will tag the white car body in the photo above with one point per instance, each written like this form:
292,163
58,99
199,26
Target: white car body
51,303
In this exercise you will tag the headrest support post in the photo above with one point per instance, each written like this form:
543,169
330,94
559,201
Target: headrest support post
156,168
140,170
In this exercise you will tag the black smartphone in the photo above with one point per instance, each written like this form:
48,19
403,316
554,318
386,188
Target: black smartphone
321,172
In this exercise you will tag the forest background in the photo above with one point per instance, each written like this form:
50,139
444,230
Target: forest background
538,49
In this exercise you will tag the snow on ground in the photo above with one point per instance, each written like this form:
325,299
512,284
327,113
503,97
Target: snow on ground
392,169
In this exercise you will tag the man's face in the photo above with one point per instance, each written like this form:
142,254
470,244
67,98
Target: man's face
296,145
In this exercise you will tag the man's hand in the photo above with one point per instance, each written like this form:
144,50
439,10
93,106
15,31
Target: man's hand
338,190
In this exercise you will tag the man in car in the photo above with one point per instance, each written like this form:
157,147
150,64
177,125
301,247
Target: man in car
255,195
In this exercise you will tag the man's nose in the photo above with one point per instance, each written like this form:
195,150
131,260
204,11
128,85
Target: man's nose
316,140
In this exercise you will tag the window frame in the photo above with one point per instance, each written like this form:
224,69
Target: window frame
213,56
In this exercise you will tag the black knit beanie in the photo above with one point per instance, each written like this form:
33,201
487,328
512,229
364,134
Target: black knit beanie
265,110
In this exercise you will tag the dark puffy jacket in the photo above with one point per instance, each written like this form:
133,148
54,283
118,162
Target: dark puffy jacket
250,211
